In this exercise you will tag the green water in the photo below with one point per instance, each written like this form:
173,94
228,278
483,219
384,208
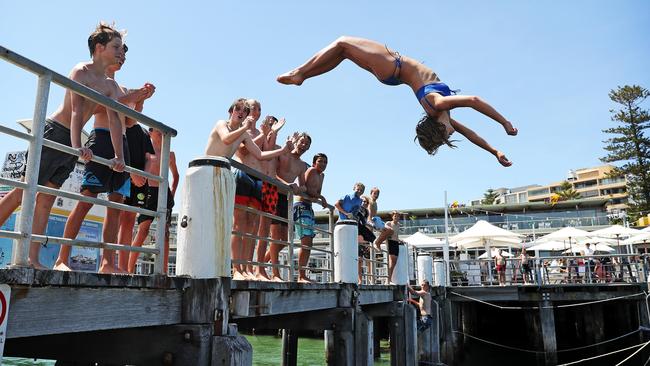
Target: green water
266,352
311,351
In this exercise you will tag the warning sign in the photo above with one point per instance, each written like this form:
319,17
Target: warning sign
5,295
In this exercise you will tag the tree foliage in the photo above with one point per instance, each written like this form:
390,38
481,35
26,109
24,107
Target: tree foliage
489,197
567,192
629,145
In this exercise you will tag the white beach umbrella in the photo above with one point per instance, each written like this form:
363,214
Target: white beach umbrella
421,241
646,230
615,232
643,238
566,234
596,247
496,242
551,246
495,251
483,230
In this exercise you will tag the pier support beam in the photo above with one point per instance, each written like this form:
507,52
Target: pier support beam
547,320
289,347
339,347
363,339
403,343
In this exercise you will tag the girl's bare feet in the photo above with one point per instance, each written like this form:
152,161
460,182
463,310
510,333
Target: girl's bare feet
510,130
291,78
62,267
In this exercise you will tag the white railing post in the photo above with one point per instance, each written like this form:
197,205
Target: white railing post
331,239
21,247
162,205
290,227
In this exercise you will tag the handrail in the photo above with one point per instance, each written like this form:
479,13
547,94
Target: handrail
36,143
83,90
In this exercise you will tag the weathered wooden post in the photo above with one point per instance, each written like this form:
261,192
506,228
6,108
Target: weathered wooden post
403,337
547,320
346,255
205,221
289,347
204,231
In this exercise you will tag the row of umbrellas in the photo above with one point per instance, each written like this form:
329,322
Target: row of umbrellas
486,235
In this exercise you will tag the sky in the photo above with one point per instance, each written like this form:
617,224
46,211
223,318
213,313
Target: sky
547,66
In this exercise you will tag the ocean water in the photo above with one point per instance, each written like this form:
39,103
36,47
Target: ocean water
266,352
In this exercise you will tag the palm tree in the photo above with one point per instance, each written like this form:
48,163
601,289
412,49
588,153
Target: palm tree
567,192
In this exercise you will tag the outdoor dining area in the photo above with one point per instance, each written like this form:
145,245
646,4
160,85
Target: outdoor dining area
488,255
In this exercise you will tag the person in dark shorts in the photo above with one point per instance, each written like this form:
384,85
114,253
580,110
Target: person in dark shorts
139,143
152,165
54,167
366,237
393,244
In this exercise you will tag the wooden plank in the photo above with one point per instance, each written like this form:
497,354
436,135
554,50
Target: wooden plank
367,296
288,301
363,340
337,318
410,335
180,344
52,310
381,310
397,341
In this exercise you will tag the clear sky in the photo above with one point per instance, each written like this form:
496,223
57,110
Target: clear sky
546,65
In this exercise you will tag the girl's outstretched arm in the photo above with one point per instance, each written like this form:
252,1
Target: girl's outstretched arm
480,142
476,103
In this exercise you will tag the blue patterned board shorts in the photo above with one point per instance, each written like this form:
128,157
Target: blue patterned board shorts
303,214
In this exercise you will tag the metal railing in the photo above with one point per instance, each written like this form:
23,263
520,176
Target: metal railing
560,270
374,270
23,236
290,245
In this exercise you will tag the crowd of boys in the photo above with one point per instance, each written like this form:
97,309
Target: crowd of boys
124,142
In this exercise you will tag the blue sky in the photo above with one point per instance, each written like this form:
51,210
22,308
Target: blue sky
546,65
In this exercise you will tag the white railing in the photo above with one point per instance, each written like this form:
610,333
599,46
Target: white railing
23,236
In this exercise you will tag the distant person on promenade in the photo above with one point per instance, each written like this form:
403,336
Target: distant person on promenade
500,261
291,171
393,244
64,126
350,203
303,213
375,221
107,140
425,304
224,141
152,166
526,271
392,68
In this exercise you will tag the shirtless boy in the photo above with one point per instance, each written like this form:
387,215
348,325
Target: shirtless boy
303,213
289,168
224,140
270,195
376,221
152,165
139,144
106,140
64,126
393,244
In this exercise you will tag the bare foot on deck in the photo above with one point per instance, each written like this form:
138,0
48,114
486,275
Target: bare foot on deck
262,276
238,276
107,268
36,265
62,267
276,279
510,130
304,280
291,78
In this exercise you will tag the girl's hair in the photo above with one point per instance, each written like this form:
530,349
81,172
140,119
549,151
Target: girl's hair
364,197
431,134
